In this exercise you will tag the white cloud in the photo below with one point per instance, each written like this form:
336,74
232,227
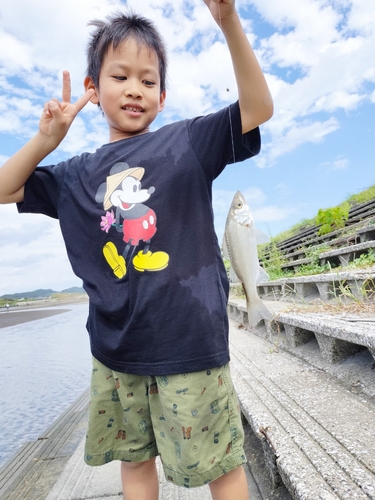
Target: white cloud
294,135
362,16
328,59
17,55
339,163
272,213
283,190
32,253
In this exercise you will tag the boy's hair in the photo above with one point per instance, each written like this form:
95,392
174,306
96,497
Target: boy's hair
119,28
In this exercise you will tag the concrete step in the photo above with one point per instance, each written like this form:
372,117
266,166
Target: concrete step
53,467
31,473
340,343
349,286
81,482
317,436
78,481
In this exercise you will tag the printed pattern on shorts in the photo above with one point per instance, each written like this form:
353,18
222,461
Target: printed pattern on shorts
192,420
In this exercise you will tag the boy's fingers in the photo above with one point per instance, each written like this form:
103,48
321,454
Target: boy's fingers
51,106
82,101
66,87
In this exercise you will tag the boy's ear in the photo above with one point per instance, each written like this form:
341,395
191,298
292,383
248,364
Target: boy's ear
163,95
88,83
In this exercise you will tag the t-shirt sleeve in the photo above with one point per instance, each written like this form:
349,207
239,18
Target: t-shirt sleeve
217,139
41,192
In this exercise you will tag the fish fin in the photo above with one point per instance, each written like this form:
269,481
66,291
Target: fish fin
262,276
256,311
233,278
261,237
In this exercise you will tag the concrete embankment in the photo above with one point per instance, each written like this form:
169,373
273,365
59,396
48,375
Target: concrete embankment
309,421
52,468
33,471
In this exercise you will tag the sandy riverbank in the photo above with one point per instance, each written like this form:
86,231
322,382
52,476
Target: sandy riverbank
38,309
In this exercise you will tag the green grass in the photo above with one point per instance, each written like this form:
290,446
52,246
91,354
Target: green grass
367,194
4,302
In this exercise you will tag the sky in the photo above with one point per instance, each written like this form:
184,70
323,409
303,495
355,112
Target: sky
318,57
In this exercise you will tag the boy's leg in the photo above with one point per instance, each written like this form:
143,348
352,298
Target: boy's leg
140,480
232,485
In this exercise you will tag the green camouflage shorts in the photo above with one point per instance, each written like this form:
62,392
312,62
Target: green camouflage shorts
191,420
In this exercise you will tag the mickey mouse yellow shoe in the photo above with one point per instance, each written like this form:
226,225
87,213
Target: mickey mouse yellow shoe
150,261
116,261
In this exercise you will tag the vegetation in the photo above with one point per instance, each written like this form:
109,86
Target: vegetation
314,267
364,260
329,219
352,200
294,230
39,294
332,218
4,302
362,197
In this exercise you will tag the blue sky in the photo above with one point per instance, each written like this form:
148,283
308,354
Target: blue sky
318,58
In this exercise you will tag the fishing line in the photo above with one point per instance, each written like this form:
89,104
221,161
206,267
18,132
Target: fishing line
230,116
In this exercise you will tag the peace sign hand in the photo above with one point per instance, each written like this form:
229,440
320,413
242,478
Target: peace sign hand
58,116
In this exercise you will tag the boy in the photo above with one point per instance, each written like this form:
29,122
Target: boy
137,221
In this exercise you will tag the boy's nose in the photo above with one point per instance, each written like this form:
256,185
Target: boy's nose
133,90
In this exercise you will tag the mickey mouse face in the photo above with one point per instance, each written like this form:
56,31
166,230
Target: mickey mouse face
131,192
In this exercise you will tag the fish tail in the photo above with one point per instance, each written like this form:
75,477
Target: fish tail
256,311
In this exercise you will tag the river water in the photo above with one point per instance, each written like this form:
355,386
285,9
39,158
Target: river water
45,365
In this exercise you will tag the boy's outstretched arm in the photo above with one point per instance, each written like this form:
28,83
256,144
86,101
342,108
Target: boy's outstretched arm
53,127
254,96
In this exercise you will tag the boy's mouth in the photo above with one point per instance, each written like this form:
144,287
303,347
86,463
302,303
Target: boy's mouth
133,109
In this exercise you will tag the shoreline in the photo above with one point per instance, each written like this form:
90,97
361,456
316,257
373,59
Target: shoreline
37,309
67,298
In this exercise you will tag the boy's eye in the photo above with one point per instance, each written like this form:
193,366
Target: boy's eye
148,83
119,77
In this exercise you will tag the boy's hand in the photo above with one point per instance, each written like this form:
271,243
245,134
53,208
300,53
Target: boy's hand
220,9
254,98
58,116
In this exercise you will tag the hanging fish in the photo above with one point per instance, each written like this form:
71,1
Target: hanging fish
240,246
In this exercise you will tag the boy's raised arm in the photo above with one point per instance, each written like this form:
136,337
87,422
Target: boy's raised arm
53,127
254,96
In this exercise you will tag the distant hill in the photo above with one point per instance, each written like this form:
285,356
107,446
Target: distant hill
40,294
73,289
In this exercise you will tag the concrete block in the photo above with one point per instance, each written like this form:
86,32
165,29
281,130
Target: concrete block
366,234
245,317
335,350
357,289
272,327
234,312
325,291
289,290
271,465
307,289
296,336
345,258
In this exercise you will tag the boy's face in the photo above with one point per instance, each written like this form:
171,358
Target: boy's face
129,90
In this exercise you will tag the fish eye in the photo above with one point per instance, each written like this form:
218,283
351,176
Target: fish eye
239,204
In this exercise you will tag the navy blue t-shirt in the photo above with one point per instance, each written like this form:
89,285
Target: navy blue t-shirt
137,221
